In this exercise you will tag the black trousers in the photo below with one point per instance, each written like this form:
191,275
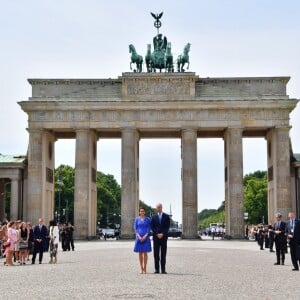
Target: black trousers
293,251
70,244
280,251
160,253
38,248
271,244
261,242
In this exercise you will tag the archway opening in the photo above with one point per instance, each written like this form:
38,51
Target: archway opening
160,175
255,182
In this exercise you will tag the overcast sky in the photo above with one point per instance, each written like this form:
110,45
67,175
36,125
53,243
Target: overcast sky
89,39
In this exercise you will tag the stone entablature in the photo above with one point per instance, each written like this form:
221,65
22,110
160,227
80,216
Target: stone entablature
159,86
76,89
242,87
114,115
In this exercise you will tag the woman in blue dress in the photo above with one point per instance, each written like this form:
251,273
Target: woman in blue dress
142,240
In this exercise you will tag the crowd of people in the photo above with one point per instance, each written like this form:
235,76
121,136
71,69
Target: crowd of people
283,236
20,242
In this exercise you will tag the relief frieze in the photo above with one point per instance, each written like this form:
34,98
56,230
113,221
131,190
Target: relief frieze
157,87
163,115
79,116
59,116
38,116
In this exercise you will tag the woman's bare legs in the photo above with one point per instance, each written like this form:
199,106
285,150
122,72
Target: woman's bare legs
141,262
145,254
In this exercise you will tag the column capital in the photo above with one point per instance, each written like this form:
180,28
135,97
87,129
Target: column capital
230,128
128,129
34,130
15,178
287,128
82,130
188,129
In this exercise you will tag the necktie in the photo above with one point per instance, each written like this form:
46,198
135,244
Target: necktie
159,217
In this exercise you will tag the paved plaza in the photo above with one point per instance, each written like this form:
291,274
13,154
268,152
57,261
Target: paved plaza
196,270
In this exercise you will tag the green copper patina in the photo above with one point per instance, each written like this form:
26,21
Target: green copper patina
182,59
135,58
161,58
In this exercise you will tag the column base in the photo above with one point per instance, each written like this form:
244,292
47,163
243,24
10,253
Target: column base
84,238
190,237
127,237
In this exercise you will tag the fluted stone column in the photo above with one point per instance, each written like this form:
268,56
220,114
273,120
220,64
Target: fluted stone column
14,199
189,183
234,191
33,206
2,199
279,182
297,190
130,178
85,202
40,195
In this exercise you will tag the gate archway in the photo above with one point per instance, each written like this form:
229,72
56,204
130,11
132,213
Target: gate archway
138,105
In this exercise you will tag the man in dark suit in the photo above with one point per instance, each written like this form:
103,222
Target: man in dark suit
291,225
160,224
40,233
280,239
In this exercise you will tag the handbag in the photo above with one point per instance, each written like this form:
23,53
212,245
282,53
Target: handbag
6,244
23,245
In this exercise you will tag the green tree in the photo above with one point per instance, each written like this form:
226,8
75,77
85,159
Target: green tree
255,196
207,216
148,209
255,202
108,196
108,200
66,193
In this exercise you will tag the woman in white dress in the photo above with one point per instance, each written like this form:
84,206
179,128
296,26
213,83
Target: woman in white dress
54,240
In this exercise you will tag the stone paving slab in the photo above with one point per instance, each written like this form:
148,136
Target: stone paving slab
196,270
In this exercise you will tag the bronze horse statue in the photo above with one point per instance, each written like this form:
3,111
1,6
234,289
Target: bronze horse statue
169,59
135,58
148,59
182,59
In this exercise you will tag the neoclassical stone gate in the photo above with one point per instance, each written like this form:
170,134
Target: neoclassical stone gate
138,105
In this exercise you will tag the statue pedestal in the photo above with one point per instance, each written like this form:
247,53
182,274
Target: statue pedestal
158,86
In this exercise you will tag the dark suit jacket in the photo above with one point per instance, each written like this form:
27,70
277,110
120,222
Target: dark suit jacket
281,238
297,232
40,234
288,226
160,227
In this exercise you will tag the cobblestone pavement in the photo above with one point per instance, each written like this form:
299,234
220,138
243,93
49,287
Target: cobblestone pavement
196,270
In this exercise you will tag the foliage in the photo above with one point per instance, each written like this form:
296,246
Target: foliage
255,197
206,213
108,196
65,192
207,216
108,200
255,202
149,210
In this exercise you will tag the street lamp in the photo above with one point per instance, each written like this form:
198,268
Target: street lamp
60,184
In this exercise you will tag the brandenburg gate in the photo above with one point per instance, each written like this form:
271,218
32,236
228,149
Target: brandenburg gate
151,105
156,104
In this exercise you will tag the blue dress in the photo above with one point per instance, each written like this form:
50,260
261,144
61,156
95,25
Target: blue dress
142,227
